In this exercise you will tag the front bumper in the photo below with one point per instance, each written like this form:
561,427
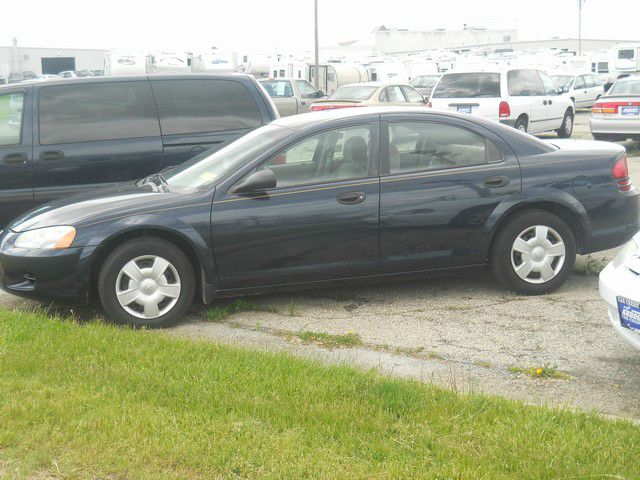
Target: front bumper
616,127
622,282
61,275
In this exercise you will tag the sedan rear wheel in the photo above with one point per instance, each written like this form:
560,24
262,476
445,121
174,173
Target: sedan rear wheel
146,282
533,253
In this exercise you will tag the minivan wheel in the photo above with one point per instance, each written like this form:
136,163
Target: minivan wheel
522,124
146,282
566,129
533,253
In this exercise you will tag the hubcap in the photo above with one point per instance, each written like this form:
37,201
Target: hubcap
148,286
538,254
522,127
568,124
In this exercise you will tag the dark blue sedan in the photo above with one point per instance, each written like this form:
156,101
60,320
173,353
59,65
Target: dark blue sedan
324,199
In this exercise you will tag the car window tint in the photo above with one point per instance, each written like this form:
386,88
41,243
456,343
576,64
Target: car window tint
412,95
392,95
306,89
524,83
86,112
550,87
11,108
278,88
424,146
468,85
342,154
198,106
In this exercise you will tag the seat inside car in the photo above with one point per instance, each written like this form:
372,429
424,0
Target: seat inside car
356,159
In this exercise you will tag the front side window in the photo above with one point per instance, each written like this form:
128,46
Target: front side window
199,106
425,146
468,85
524,83
580,83
550,87
96,112
278,88
392,95
306,89
341,154
11,108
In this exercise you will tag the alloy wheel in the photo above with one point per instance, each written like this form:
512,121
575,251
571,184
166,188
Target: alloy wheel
148,286
538,254
568,124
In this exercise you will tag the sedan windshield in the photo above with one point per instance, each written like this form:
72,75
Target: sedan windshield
563,81
204,170
425,81
353,92
625,87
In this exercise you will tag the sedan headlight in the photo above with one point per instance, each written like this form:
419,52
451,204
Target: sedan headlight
47,238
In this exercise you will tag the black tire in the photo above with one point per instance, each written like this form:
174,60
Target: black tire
176,307
522,124
503,258
602,138
566,129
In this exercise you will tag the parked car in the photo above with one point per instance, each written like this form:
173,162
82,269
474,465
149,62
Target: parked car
68,74
291,95
62,137
616,116
525,99
15,77
326,199
370,94
620,288
425,83
583,90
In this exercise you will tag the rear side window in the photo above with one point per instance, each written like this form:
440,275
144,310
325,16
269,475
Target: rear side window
198,106
424,146
524,83
468,85
86,112
11,107
412,95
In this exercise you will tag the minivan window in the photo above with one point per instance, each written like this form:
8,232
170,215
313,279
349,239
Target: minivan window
198,106
524,83
468,85
90,112
11,107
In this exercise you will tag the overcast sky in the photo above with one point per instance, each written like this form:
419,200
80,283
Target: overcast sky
261,26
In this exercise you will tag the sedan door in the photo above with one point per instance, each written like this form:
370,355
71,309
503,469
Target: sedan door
581,91
441,182
16,176
320,222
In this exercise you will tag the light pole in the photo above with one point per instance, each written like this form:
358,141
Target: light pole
316,78
580,3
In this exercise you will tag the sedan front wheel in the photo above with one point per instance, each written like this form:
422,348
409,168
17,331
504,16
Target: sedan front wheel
146,282
533,253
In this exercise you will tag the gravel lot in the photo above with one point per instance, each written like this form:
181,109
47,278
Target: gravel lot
463,332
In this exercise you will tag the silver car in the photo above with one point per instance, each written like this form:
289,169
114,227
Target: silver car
616,116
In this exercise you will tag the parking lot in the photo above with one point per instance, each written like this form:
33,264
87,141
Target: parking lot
465,333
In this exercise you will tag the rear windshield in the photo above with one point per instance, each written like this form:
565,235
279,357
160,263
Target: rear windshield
468,85
354,92
425,81
628,87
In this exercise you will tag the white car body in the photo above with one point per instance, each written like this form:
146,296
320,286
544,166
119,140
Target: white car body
620,288
540,108
582,89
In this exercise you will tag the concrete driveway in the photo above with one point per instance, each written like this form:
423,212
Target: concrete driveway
464,332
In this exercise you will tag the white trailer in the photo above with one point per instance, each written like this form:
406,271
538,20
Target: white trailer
169,62
124,62
334,75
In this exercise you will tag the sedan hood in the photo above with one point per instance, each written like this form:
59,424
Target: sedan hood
97,205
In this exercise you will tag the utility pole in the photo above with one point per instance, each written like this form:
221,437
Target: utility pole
316,73
580,3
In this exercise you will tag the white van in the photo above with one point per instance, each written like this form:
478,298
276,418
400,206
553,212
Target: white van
523,98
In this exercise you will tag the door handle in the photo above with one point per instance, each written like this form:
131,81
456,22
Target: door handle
496,181
51,155
13,158
351,198
544,102
550,102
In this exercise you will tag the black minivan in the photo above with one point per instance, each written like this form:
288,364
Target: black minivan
62,137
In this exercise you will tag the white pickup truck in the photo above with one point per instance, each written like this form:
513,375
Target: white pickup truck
291,95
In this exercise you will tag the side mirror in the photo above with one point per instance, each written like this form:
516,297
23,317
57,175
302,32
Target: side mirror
425,99
257,182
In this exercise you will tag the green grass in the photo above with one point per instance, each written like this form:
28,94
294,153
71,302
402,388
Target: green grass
101,402
220,312
591,267
329,339
540,372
